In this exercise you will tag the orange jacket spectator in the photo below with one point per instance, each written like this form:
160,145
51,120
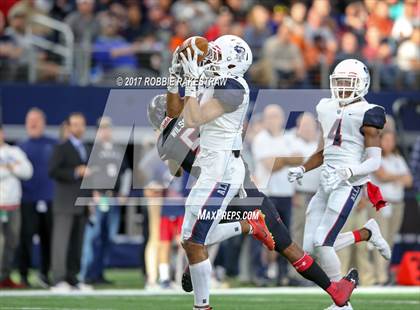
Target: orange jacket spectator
380,19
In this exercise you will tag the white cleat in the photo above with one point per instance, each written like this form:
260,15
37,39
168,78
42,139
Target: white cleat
61,287
335,307
377,240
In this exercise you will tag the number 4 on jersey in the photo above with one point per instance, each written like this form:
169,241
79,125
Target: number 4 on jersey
335,132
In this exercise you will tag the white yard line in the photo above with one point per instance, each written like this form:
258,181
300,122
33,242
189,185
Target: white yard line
230,291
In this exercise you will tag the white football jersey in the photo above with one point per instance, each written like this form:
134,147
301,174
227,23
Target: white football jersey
343,140
225,132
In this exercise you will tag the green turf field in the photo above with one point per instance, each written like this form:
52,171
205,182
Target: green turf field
175,302
126,293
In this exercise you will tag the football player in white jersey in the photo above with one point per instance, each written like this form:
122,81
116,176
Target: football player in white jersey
218,110
349,150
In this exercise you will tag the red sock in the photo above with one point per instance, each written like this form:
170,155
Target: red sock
303,263
357,236
310,270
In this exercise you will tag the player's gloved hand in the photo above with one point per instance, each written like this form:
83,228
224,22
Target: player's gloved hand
338,176
174,72
192,72
296,174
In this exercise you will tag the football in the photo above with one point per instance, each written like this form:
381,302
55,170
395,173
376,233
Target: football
197,44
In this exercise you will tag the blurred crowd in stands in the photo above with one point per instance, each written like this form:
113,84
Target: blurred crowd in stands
295,43
75,236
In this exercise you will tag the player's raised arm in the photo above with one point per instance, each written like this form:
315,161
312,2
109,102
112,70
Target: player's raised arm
175,103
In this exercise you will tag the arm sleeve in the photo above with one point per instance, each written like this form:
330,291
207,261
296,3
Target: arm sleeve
374,117
371,163
229,94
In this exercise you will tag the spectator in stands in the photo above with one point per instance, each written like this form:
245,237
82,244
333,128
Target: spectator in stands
297,20
137,27
62,8
392,177
9,53
377,52
274,152
317,30
355,20
84,23
37,197
199,15
377,48
17,32
379,18
182,32
349,48
239,8
408,60
111,52
257,31
160,21
323,9
68,166
111,181
14,166
221,26
283,58
31,8
403,25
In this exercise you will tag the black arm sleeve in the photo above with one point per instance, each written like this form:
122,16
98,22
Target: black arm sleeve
229,94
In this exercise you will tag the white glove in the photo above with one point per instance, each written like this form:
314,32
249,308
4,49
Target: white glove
296,174
192,73
174,73
338,176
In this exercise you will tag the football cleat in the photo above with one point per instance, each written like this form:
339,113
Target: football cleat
341,291
335,307
260,230
377,240
186,282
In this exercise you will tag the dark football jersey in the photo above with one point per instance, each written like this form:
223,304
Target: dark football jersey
179,144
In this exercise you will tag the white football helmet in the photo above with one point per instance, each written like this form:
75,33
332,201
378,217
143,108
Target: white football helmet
228,55
349,81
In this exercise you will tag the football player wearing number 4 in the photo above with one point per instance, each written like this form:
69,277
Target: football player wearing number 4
349,150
